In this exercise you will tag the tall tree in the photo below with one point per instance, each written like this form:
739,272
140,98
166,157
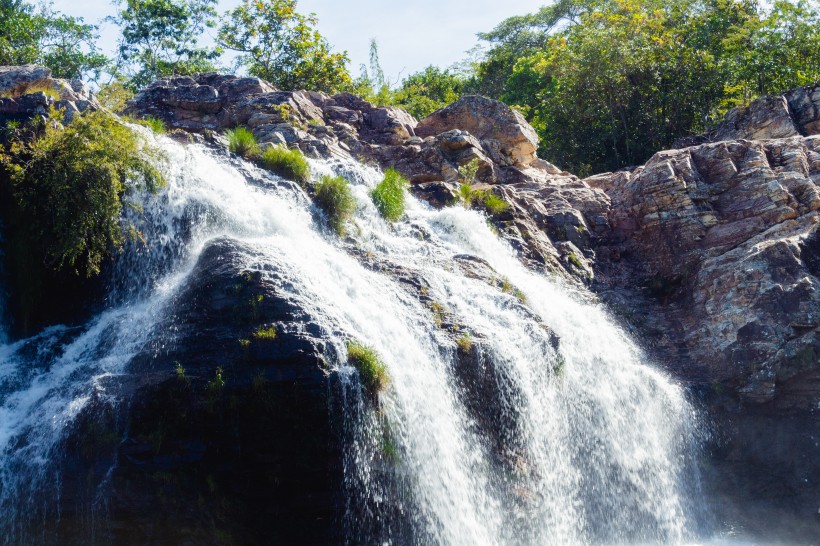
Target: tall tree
161,38
30,35
282,46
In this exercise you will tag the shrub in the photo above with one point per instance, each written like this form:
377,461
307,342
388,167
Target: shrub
69,185
333,196
155,124
265,334
388,195
468,172
372,371
241,141
288,163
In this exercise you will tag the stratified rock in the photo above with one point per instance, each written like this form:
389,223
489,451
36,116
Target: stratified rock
723,225
16,79
22,89
782,116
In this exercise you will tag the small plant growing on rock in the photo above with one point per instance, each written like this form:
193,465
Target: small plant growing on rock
287,163
372,371
493,204
574,260
155,124
468,172
388,195
265,334
180,373
333,196
438,312
214,387
241,141
465,342
30,89
465,194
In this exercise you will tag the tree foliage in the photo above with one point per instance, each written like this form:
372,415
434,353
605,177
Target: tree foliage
424,92
30,35
161,38
282,46
606,83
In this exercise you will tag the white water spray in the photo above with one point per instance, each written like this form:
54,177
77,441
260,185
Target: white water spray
516,443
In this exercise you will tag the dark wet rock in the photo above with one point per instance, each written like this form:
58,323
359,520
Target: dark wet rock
214,430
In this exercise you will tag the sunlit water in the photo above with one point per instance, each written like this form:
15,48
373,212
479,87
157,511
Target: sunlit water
516,442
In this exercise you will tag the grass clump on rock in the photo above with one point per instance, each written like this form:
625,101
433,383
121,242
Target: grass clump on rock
241,141
372,371
290,164
155,124
265,334
333,196
388,195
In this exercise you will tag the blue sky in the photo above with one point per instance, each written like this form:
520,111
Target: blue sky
411,34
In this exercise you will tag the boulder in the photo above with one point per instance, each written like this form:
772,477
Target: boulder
14,80
486,119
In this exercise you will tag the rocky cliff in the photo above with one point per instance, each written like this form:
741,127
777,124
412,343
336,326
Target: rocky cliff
710,253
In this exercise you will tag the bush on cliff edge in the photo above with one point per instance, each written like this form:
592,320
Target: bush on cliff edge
65,187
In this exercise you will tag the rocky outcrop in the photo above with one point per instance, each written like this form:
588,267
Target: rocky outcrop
215,436
794,113
554,219
28,91
724,232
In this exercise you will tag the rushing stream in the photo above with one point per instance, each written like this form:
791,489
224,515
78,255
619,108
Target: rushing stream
515,441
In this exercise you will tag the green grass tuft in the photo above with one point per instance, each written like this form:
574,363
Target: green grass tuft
372,371
155,124
333,196
265,334
290,164
465,194
388,196
465,342
241,141
493,204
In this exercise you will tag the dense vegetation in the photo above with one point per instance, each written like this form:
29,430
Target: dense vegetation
78,177
38,35
606,83
62,191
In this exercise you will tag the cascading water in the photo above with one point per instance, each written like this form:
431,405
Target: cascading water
512,440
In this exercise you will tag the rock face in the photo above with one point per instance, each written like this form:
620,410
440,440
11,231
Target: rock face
794,113
22,94
204,462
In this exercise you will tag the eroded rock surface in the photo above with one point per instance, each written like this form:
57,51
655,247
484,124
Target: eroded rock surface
23,96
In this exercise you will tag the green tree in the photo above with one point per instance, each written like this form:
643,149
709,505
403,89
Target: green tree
606,83
282,46
161,38
424,92
30,35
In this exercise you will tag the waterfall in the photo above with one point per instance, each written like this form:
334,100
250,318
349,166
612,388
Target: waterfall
549,428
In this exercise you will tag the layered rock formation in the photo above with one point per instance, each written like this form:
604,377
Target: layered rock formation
30,90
